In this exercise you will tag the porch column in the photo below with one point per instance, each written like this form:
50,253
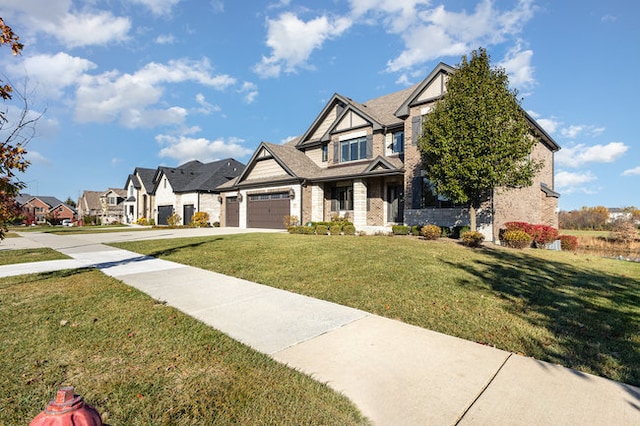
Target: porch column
317,203
359,203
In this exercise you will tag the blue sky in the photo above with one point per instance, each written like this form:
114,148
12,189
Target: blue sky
143,83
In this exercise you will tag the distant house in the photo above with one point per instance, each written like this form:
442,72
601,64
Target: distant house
140,200
616,213
108,206
44,209
191,188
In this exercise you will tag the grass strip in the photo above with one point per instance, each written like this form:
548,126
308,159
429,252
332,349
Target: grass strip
140,362
12,257
574,310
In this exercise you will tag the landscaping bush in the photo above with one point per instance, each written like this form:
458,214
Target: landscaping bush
516,226
415,230
335,229
472,238
542,234
322,230
292,229
459,230
174,220
516,239
290,221
152,222
400,229
445,231
568,242
200,219
216,224
349,229
431,232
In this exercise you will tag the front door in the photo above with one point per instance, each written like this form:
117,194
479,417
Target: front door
188,210
395,204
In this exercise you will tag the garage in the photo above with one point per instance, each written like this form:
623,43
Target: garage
268,210
163,214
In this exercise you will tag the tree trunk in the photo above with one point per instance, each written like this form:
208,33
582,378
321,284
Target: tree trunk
472,217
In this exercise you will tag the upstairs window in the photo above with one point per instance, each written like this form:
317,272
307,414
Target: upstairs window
325,153
353,149
397,142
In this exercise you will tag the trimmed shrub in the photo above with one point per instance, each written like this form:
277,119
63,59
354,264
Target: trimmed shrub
459,230
292,229
415,230
174,220
516,226
200,219
216,224
542,234
335,229
322,230
431,232
516,239
445,231
142,221
568,242
349,229
400,230
152,222
472,238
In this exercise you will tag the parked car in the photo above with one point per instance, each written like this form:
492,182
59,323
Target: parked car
67,222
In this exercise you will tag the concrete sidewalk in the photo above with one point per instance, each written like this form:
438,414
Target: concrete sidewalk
397,374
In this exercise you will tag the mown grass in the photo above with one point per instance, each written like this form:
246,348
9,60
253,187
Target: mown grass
579,311
140,362
11,257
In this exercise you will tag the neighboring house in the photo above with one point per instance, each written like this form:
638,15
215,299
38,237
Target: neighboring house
616,213
112,206
107,205
140,200
184,190
89,204
44,209
362,161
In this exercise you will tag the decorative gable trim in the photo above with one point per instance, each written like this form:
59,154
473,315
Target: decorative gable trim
337,101
379,163
262,153
417,96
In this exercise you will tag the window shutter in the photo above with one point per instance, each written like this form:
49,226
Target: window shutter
416,192
416,129
369,146
336,152
334,201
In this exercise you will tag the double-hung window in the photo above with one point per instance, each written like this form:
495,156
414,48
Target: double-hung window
342,198
353,149
397,142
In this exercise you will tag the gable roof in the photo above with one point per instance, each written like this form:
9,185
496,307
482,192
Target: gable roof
141,177
91,200
194,176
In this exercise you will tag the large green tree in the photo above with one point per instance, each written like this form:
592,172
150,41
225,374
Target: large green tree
477,137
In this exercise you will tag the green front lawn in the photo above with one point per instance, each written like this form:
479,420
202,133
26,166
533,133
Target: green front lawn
140,362
10,257
579,311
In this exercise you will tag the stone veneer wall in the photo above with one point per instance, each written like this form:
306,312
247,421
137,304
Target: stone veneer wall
375,191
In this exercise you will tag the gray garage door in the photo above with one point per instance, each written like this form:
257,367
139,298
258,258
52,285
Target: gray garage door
163,213
232,212
268,210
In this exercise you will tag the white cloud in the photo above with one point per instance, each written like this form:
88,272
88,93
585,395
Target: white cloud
250,91
73,28
632,172
53,73
569,182
575,130
205,107
183,149
287,139
165,39
577,155
517,63
448,33
35,157
112,95
292,41
158,7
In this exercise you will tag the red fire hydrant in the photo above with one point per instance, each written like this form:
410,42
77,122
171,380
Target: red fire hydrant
66,410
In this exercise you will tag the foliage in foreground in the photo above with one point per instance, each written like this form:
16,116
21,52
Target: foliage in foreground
579,311
140,362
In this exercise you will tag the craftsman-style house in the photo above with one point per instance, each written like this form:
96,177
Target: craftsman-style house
361,160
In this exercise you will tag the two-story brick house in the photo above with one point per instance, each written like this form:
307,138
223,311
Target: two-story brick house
361,160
